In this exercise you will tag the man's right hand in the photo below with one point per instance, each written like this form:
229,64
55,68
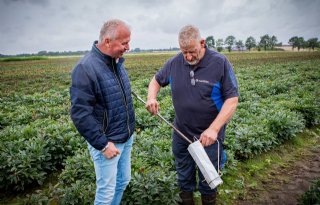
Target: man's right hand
111,151
152,106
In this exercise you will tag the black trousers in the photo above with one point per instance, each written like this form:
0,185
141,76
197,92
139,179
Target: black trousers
186,167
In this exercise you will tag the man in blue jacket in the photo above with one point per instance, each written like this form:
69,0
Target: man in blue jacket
102,110
205,96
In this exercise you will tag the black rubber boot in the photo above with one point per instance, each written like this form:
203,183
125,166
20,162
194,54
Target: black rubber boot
187,198
209,199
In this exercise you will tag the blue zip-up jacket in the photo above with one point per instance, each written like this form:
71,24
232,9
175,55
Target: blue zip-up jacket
101,102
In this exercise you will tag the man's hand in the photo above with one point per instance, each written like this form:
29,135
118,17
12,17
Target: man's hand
152,106
111,151
208,137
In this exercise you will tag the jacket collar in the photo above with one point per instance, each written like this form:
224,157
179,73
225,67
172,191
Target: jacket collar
106,58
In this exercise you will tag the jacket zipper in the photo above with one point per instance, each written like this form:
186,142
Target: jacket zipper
105,125
123,96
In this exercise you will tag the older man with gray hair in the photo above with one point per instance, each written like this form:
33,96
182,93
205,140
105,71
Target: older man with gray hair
205,96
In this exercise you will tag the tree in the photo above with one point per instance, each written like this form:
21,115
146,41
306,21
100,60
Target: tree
230,41
301,43
265,41
250,43
273,42
239,45
42,53
220,44
293,41
312,43
210,42
298,42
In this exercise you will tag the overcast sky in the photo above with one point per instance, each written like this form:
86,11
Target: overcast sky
29,26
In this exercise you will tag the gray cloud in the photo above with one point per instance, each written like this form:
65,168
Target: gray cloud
42,3
28,26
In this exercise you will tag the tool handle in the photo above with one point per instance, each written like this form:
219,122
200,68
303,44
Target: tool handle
166,121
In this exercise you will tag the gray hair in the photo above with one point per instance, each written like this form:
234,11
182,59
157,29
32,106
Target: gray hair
109,29
187,34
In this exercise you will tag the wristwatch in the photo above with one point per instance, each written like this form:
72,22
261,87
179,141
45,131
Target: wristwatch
104,149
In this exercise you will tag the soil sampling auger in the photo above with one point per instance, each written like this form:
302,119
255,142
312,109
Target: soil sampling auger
198,154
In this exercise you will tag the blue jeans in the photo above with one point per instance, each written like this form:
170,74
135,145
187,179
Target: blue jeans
112,175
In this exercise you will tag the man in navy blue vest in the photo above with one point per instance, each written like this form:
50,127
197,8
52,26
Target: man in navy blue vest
205,96
102,110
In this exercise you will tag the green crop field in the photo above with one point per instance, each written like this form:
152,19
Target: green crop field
279,98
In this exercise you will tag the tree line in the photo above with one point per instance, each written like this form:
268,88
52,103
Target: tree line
48,53
266,42
78,53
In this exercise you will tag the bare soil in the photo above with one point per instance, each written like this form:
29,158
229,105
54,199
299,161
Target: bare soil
285,184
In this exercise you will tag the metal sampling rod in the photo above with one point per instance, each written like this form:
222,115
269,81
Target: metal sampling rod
171,125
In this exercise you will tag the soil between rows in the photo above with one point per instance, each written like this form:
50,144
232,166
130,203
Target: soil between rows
285,184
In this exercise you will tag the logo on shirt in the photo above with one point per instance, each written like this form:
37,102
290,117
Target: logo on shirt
202,81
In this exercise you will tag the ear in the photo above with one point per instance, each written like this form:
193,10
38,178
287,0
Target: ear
106,42
202,43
